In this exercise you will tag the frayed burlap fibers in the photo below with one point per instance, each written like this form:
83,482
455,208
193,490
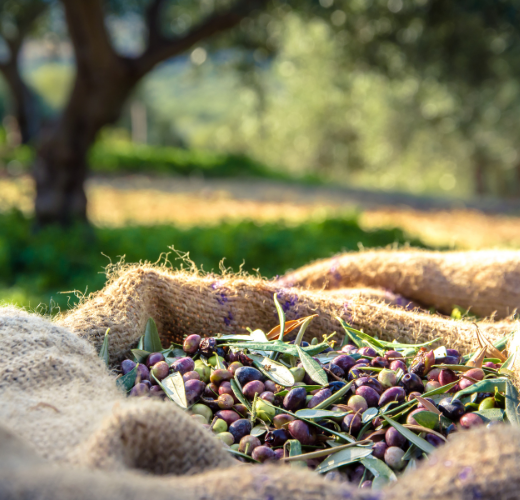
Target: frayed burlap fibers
183,303
487,281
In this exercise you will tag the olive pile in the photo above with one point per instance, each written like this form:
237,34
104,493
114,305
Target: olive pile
361,412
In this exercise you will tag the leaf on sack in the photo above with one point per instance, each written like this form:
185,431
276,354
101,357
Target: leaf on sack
512,403
140,343
311,413
126,382
238,393
358,342
426,419
277,372
308,388
490,348
281,317
411,436
500,344
173,386
491,415
335,397
312,367
103,352
303,329
378,468
289,327
279,346
139,355
151,340
487,385
509,362
233,336
343,457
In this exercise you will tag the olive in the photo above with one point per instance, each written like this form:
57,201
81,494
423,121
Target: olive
378,450
191,343
398,365
336,370
219,426
387,378
226,438
157,392
295,399
470,420
487,404
201,419
476,373
433,374
208,346
270,386
241,409
263,454
240,428
160,370
394,438
357,403
430,400
449,360
355,373
225,401
370,382
225,388
412,395
278,454
127,366
252,388
191,376
394,458
434,440
489,364
233,356
194,390
336,385
379,362
247,374
392,394
154,358
411,383
357,474
233,367
344,361
213,361
447,376
451,429
369,395
147,383
142,372
352,424
280,420
453,353
248,444
366,485
393,355
298,373
267,396
276,437
203,371
203,410
361,362
367,351
302,432
349,349
245,359
319,397
451,408
431,385
220,375
183,365
139,390
229,416
211,391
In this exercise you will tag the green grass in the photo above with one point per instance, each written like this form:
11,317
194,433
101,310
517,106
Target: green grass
36,267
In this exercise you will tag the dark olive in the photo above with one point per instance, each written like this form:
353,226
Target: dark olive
245,359
194,390
319,397
344,361
411,383
263,454
394,438
367,351
267,396
379,362
392,394
355,373
247,374
336,385
447,377
142,372
280,420
393,355
370,382
191,376
139,390
356,475
398,365
369,394
183,365
154,358
248,444
229,416
295,399
241,409
434,440
127,366
366,485
211,391
451,408
191,343
349,349
336,370
278,454
161,370
378,450
270,386
252,388
352,424
276,437
208,347
470,420
240,428
156,391
302,432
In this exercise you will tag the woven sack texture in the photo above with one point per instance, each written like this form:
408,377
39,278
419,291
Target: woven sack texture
488,281
183,303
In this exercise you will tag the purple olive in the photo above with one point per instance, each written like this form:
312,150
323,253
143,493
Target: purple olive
161,370
378,450
156,391
127,366
263,454
434,440
229,416
319,397
355,373
267,396
344,361
247,374
370,382
252,388
430,400
295,399
191,376
447,377
241,409
367,351
394,438
302,432
451,408
208,347
366,485
336,370
362,362
194,390
411,383
369,394
379,362
398,365
248,444
470,420
142,372
211,391
280,420
357,474
393,355
412,395
153,359
278,454
349,349
191,343
225,401
410,419
240,428
184,365
270,386
392,394
433,374
147,383
139,390
276,437
233,367
453,353
352,424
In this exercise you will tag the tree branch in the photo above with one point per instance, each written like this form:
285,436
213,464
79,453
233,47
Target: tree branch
164,48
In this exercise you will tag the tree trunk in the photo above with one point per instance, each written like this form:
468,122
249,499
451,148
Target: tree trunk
60,168
25,105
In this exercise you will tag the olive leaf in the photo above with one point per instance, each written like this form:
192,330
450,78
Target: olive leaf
314,413
173,386
312,367
293,447
281,316
303,328
258,430
492,415
343,457
378,468
243,455
103,352
140,355
487,385
369,415
499,344
126,382
277,372
151,340
411,436
512,404
278,346
426,419
238,393
308,388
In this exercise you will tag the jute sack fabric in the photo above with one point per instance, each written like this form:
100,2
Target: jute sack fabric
183,303
487,281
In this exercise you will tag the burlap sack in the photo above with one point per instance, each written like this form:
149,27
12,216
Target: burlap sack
488,281
56,393
183,303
